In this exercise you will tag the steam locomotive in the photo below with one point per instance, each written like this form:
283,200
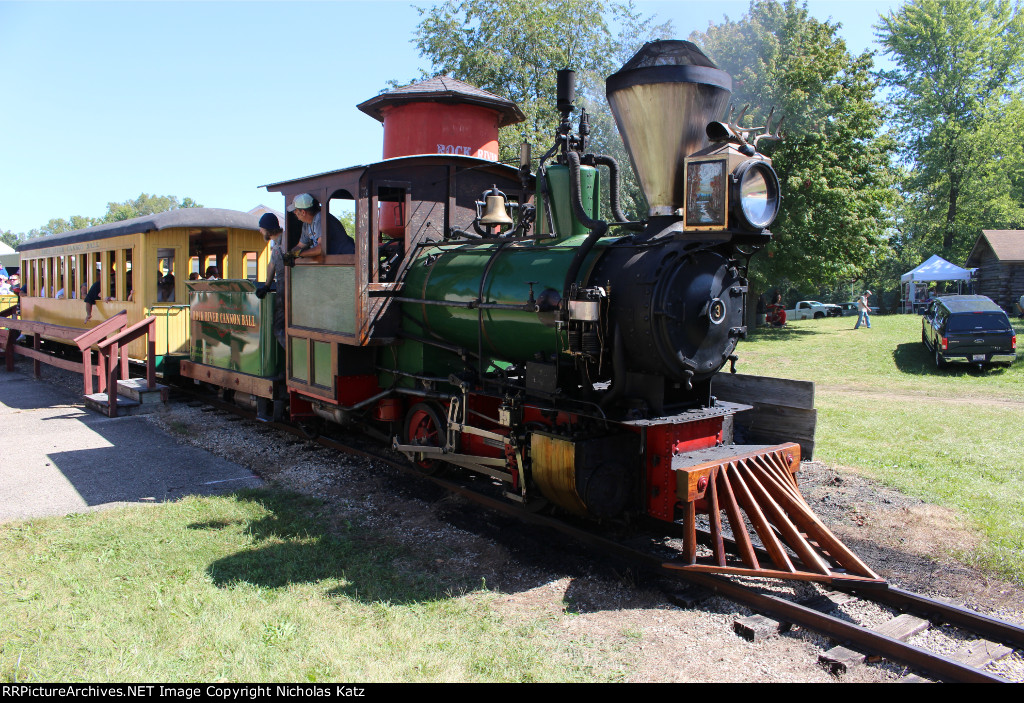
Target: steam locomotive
491,320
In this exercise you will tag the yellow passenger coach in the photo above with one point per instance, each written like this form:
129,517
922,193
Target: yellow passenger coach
141,265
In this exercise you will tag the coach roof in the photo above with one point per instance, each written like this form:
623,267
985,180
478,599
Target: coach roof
203,217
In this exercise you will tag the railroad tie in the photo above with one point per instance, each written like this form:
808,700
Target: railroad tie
839,660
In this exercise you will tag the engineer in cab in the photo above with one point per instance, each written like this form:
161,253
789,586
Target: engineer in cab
307,209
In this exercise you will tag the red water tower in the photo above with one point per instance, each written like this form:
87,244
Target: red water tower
438,116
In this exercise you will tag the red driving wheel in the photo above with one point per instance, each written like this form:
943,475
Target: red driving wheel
423,427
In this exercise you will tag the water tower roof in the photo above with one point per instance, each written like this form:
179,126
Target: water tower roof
443,89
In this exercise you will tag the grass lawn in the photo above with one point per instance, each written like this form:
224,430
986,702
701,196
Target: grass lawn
949,436
248,587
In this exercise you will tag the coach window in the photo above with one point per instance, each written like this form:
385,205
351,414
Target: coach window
73,286
96,266
252,269
81,275
128,284
110,269
211,268
59,277
165,278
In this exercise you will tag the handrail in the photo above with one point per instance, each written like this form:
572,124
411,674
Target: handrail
94,335
112,349
7,312
43,328
129,334
85,342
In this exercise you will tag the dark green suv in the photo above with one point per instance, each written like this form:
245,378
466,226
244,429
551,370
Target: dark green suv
968,328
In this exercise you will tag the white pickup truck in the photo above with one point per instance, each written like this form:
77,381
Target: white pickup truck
812,309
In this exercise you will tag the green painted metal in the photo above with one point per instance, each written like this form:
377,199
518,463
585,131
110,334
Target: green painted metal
300,358
413,357
323,298
322,375
455,276
233,329
566,224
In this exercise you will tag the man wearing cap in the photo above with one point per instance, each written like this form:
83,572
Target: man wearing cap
307,209
270,228
863,310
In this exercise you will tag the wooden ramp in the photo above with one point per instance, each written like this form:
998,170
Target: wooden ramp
104,357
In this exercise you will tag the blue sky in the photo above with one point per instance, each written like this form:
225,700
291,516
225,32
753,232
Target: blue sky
102,101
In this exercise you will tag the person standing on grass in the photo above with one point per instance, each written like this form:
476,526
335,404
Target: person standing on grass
863,310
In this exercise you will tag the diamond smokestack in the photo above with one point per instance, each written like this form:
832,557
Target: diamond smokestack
663,99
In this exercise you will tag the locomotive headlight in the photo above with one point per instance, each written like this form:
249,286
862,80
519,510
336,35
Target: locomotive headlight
756,190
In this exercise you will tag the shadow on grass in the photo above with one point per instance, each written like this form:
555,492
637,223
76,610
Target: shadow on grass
916,359
294,544
785,332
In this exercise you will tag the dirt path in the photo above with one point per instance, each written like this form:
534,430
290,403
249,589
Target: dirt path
921,397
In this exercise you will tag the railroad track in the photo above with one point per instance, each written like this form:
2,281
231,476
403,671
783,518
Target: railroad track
915,613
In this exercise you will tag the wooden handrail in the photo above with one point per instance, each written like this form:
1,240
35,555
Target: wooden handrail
9,311
97,333
130,334
44,328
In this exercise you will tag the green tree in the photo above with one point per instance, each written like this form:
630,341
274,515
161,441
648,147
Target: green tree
10,239
833,167
116,212
957,113
514,48
145,204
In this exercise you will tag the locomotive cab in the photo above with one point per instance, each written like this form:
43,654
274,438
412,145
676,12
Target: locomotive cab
342,307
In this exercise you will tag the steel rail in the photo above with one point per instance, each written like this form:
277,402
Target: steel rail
1001,631
893,649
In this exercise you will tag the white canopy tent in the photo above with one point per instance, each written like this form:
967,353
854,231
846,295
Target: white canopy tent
8,257
934,269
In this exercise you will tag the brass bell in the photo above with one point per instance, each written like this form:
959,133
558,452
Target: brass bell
495,211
